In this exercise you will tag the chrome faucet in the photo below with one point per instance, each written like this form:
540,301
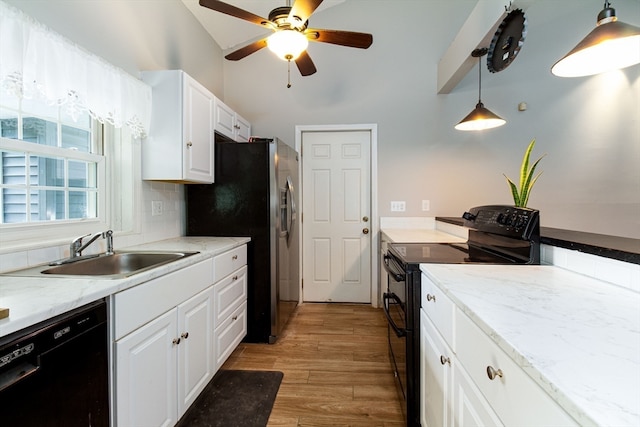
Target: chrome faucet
76,247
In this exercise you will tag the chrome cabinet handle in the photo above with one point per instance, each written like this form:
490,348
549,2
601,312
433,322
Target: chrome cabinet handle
235,257
431,297
176,341
492,373
185,335
189,144
445,360
234,318
235,277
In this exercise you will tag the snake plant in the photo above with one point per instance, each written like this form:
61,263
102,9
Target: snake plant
527,180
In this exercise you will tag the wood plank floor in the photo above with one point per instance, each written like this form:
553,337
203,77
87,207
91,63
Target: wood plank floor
336,368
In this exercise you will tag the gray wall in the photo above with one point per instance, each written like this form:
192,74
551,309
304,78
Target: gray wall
588,127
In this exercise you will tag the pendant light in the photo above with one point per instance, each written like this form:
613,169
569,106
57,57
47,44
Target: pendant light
480,118
610,46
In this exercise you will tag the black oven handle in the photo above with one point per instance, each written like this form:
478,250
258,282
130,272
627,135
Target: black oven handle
386,297
397,276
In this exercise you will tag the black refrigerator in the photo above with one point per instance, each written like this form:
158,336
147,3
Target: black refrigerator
254,195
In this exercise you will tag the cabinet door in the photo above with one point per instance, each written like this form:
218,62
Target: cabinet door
223,119
198,159
195,351
229,334
242,129
471,408
146,375
435,377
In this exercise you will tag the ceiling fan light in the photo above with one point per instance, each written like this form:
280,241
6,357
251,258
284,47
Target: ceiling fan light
480,118
612,45
287,44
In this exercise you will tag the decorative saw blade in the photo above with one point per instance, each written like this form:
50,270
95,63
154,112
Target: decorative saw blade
247,50
342,38
228,9
305,64
302,10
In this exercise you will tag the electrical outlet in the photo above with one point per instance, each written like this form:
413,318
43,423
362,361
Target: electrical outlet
398,206
426,205
156,208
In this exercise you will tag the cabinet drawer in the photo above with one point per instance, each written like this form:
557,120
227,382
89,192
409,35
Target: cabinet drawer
229,334
515,397
136,306
228,262
440,309
228,294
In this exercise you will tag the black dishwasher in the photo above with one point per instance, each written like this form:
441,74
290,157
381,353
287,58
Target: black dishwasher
55,373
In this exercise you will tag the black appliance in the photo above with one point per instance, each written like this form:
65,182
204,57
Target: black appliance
254,196
56,373
497,235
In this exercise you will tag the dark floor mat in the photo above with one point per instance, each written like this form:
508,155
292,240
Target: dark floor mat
235,399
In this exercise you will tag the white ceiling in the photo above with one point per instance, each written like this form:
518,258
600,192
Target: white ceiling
229,31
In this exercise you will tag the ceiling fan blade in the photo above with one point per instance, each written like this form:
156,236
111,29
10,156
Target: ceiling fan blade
342,38
305,64
228,9
247,50
303,9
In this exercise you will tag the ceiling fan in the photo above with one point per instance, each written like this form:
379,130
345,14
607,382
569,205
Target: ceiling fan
291,33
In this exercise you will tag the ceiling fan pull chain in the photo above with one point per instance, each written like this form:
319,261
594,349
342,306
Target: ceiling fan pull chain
288,74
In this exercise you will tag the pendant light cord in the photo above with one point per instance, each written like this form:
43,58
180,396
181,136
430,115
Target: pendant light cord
479,79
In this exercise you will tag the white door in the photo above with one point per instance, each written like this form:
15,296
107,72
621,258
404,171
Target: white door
146,375
336,216
195,352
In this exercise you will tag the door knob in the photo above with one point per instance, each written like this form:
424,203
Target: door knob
365,230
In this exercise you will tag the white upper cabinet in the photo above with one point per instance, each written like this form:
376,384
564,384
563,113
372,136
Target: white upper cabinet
229,123
180,144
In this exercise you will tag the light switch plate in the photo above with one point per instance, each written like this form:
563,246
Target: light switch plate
426,205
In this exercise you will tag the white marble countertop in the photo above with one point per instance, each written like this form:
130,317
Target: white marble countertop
32,299
577,337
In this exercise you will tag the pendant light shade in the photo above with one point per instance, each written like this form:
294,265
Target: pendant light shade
610,46
287,44
481,117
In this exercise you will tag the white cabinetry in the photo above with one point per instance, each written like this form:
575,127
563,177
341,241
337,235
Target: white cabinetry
180,144
230,299
172,334
466,380
229,123
164,352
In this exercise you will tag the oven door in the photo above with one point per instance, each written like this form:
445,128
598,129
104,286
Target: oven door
394,303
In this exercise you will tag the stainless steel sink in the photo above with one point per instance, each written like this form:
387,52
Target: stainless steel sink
118,265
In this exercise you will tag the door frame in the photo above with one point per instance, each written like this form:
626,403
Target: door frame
372,128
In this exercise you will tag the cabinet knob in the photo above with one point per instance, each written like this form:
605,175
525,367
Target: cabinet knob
176,341
492,373
235,257
365,230
234,318
189,144
445,360
431,297
235,277
185,335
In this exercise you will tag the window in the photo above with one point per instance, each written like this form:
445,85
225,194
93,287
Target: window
52,170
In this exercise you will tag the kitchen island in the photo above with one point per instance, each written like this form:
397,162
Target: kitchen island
576,337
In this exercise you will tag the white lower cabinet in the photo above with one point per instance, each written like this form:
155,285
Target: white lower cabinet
171,336
163,366
467,380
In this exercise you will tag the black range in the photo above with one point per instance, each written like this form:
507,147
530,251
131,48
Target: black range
497,235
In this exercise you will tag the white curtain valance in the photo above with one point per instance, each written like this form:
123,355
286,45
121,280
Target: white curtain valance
36,62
